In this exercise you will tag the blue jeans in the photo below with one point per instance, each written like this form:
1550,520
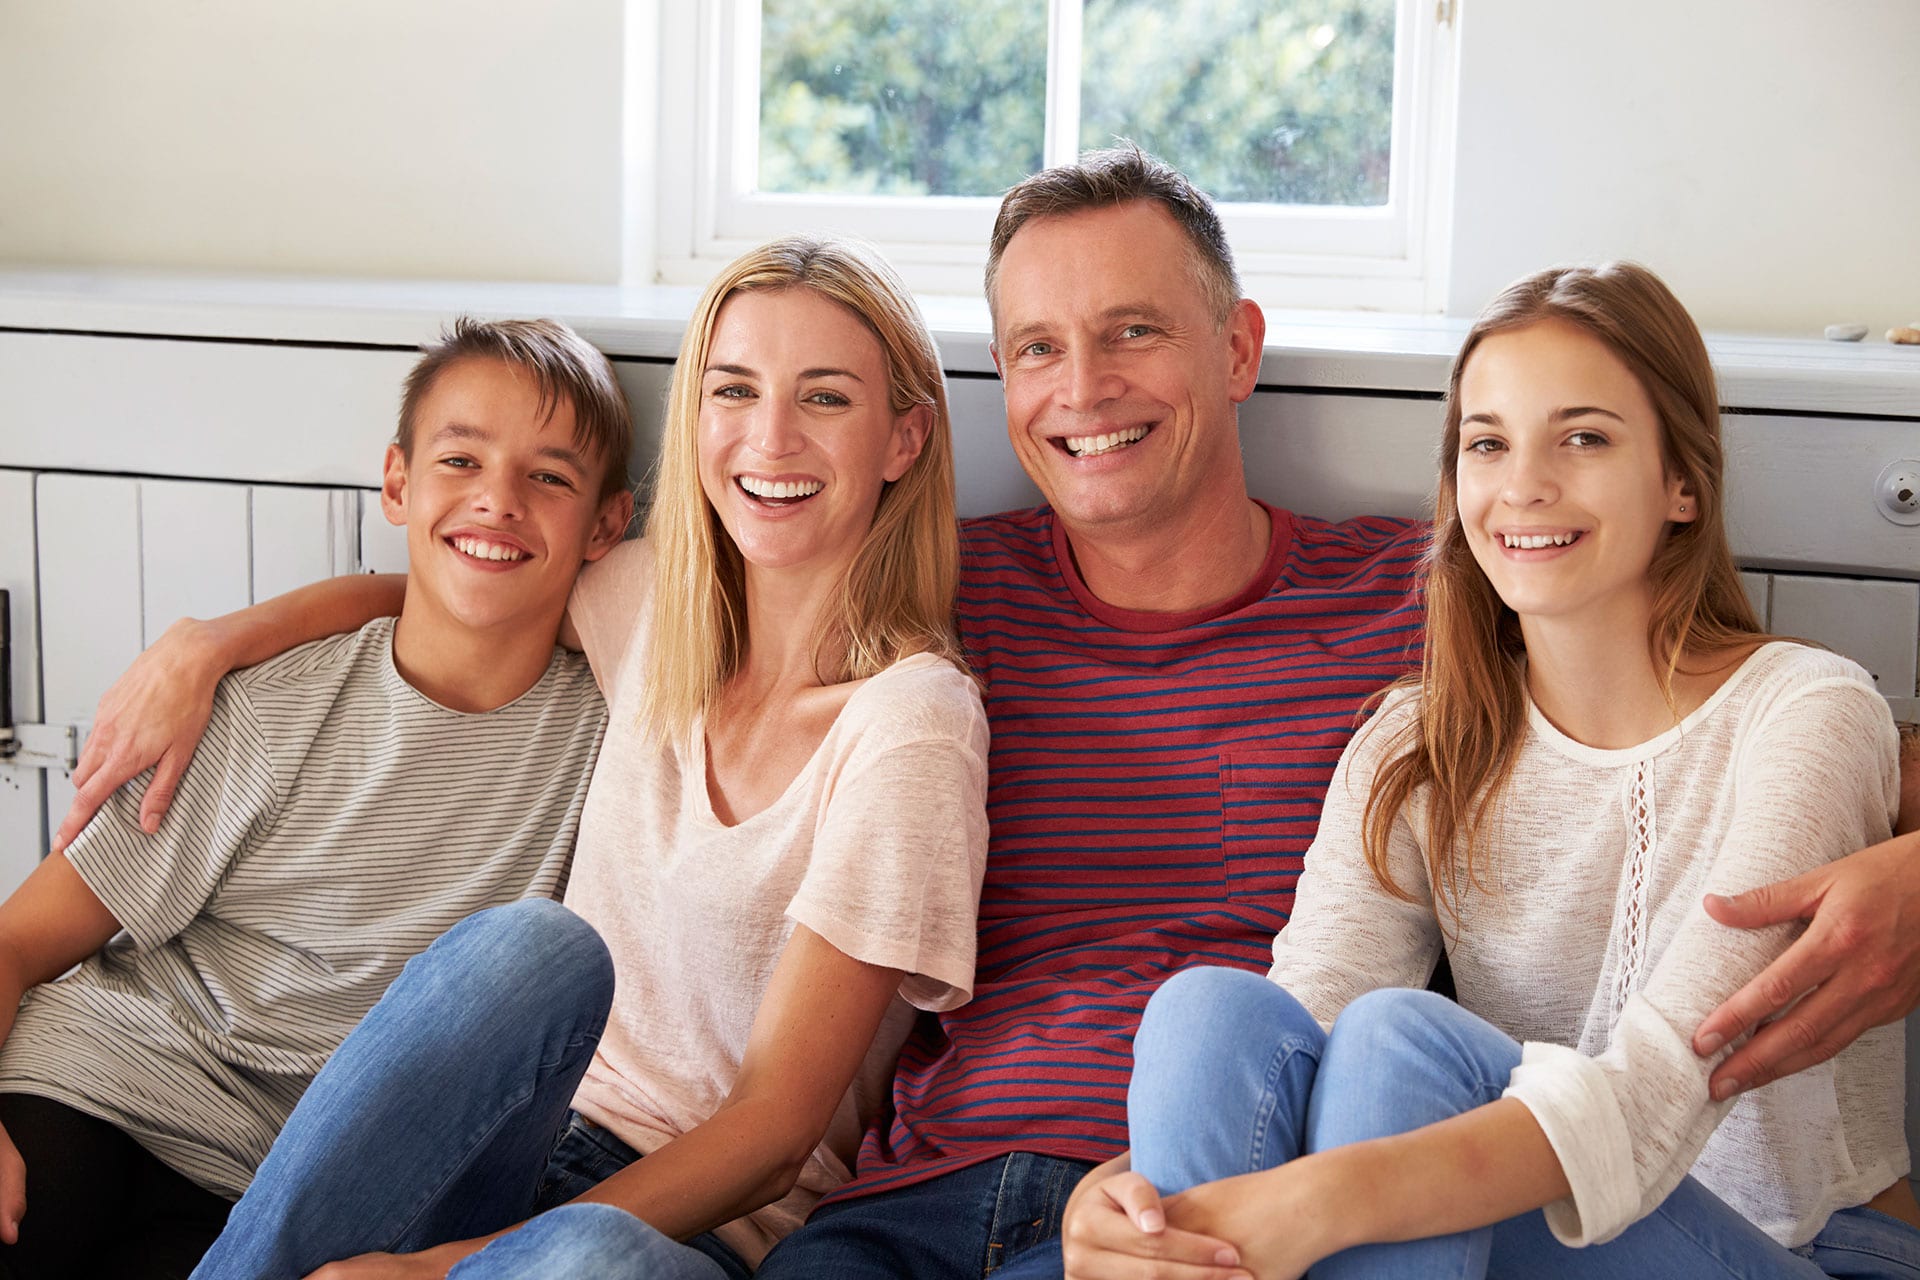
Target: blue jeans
1231,1075
999,1218
445,1115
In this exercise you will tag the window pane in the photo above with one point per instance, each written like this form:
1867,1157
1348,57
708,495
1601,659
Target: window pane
879,97
1268,101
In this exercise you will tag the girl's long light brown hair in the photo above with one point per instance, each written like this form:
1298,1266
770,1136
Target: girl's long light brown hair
1459,752
896,597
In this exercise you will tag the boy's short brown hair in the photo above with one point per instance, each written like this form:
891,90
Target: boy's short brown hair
567,368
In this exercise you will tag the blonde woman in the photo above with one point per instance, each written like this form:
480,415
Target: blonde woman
781,848
1600,737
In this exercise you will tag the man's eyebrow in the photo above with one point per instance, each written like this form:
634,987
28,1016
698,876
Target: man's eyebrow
1017,336
1136,311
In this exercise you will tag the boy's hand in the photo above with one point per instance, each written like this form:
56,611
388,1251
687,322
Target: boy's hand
1116,1229
153,714
13,1189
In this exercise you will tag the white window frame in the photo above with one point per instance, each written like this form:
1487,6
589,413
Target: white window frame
707,212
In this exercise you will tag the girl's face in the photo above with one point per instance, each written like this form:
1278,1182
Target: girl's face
797,432
1563,486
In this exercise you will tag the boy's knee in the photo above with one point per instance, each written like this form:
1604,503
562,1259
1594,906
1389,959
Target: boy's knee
585,1240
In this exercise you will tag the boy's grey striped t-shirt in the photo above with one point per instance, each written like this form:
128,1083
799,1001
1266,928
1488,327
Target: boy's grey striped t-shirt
334,822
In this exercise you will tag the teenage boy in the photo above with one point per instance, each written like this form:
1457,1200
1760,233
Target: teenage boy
351,801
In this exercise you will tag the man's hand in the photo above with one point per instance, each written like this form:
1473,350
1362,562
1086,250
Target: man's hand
153,715
1115,1229
1859,959
13,1189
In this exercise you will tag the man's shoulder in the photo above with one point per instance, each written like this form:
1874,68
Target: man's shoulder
1384,552
1027,529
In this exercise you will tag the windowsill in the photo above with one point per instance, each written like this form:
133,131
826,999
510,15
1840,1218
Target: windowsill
1308,350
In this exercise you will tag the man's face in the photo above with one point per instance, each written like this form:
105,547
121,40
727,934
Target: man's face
500,505
1120,386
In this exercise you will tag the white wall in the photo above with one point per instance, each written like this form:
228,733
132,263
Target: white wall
1763,155
475,139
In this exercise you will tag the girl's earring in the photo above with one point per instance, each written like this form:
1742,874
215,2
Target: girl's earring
1683,508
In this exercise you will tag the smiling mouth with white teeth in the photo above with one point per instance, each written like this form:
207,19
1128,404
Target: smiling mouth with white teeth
481,549
1094,446
1537,541
778,493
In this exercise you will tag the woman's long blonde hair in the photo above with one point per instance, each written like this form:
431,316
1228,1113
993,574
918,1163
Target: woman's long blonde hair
1472,685
896,597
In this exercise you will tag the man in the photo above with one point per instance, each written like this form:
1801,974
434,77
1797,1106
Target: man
353,799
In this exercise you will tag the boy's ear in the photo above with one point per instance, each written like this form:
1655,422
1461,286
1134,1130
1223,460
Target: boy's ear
910,431
393,486
610,526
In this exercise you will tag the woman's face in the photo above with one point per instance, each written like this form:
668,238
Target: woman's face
1563,486
797,432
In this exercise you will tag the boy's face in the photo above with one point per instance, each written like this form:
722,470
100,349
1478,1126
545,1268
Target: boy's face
500,505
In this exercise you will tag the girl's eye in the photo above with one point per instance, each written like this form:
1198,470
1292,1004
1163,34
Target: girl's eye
1483,445
1587,439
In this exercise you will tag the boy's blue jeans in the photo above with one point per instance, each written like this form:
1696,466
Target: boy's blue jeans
1231,1075
445,1115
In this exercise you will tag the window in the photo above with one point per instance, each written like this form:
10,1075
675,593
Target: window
1314,123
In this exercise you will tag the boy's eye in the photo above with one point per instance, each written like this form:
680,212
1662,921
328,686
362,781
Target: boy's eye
458,461
553,478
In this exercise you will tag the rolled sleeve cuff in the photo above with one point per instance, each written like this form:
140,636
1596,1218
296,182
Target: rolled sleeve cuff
1571,1099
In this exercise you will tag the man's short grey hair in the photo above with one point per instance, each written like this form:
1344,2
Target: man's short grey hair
1116,176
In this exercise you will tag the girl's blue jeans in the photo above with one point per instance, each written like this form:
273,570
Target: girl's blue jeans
445,1116
1231,1076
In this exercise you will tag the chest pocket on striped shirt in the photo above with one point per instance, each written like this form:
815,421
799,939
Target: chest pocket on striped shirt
1269,807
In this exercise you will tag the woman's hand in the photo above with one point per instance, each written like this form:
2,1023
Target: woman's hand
430,1265
1116,1229
154,715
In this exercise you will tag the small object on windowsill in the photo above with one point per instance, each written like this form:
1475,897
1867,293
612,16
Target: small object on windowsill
1906,335
1846,332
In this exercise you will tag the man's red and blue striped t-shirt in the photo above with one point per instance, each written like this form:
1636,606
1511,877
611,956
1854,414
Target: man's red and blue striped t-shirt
1153,783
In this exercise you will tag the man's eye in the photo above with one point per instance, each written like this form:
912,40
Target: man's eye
1136,331
1037,349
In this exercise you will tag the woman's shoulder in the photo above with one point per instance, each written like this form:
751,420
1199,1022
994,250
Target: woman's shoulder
921,696
1782,670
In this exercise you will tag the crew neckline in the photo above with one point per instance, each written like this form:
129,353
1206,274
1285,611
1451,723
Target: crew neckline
1615,757
1279,543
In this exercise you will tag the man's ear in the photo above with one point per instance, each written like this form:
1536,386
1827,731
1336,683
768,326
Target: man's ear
1246,342
393,486
993,349
610,526
910,432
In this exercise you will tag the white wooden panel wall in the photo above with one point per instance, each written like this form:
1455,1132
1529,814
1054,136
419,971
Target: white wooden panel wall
301,536
986,472
22,796
195,552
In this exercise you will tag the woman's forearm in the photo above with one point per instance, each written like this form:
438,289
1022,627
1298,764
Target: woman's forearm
328,607
744,1157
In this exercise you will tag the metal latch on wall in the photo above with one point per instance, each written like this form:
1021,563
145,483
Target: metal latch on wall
32,746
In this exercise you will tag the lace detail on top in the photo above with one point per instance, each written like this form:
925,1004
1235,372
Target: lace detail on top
1633,923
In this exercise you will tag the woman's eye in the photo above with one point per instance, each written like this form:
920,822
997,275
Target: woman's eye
733,391
832,399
